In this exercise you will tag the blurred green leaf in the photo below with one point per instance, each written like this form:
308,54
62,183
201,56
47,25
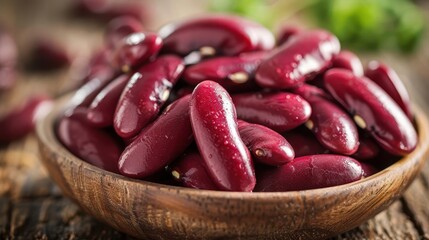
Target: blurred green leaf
359,24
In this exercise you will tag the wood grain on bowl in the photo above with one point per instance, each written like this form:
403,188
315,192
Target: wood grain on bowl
148,210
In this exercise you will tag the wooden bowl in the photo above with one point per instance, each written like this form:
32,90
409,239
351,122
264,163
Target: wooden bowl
154,211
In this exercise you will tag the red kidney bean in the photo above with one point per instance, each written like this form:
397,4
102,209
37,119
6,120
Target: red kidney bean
232,73
309,91
214,124
160,143
145,93
278,111
298,60
102,109
310,172
265,145
368,169
119,28
21,120
95,146
348,60
373,109
389,81
191,172
216,35
136,49
87,92
48,55
286,32
7,78
332,126
368,148
304,143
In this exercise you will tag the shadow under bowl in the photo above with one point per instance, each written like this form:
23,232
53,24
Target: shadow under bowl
154,211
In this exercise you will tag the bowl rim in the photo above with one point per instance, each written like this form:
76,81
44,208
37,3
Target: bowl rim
46,135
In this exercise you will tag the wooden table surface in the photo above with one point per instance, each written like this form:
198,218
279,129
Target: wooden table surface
32,207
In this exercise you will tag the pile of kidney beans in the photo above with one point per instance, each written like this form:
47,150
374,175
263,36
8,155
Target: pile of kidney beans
215,103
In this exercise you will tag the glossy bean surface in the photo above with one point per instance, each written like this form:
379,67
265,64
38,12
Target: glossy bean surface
332,126
119,28
160,143
96,146
309,91
310,172
285,33
232,73
265,145
214,124
385,77
298,60
88,91
21,120
145,93
348,60
278,111
191,172
304,143
222,34
368,148
373,109
102,109
136,49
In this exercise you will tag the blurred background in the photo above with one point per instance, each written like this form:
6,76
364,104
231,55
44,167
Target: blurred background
55,40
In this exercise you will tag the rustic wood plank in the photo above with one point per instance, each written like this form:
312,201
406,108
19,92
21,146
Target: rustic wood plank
415,204
55,218
389,224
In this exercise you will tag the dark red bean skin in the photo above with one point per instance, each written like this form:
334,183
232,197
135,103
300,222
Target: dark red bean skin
368,148
309,91
373,109
102,109
286,32
160,143
385,77
136,49
348,60
228,35
310,172
119,28
145,93
21,120
278,111
93,145
332,126
265,145
87,92
304,143
224,70
298,60
214,124
368,169
191,172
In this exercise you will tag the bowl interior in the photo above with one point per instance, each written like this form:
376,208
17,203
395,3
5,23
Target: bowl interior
151,210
